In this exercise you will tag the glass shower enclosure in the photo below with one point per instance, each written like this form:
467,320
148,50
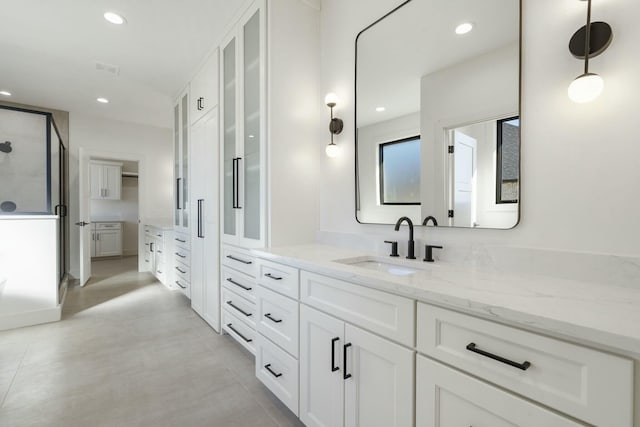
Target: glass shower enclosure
33,170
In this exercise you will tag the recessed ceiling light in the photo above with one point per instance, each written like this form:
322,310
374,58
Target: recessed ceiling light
114,18
102,100
5,93
464,28
380,109
251,136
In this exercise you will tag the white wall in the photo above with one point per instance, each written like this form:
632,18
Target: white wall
579,175
113,139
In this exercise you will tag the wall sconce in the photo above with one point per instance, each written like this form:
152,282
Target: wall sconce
588,42
335,125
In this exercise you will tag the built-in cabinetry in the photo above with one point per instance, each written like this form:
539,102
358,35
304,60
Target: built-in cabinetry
182,262
157,250
105,180
341,354
106,239
181,162
204,88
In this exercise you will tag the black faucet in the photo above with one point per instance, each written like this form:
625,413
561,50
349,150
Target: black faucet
432,219
411,245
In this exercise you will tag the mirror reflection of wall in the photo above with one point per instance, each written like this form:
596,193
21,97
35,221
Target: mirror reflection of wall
417,78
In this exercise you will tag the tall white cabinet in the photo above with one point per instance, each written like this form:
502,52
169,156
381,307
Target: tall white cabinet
181,163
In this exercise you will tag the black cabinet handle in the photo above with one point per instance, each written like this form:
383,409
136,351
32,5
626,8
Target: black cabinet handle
239,260
268,368
345,376
200,231
238,284
238,308
180,255
237,188
178,193
271,276
523,366
180,270
333,354
180,240
239,334
268,316
178,283
233,183
150,247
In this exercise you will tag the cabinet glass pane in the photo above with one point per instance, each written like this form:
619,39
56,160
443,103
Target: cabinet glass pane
176,159
185,161
252,136
229,112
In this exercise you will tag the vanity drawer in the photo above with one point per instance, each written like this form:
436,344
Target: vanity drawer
446,397
590,385
240,307
239,330
181,240
279,278
278,371
239,283
278,319
239,259
108,226
183,285
385,314
182,255
183,271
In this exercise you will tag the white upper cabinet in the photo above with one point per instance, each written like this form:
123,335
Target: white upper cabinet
105,180
243,132
204,89
181,163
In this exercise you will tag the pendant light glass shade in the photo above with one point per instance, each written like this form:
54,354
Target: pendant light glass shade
585,88
332,150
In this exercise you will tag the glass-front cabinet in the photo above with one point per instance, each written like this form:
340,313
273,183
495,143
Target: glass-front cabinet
243,100
181,162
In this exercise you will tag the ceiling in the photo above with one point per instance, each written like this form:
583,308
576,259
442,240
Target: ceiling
49,50
419,39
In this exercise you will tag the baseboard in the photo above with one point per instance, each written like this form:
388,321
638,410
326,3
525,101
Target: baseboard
30,318
130,252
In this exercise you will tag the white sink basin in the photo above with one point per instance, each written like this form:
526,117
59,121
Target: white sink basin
397,266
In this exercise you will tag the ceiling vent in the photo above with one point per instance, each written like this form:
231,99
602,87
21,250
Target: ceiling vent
108,68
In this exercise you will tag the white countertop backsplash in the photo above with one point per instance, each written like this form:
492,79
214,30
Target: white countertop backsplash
592,298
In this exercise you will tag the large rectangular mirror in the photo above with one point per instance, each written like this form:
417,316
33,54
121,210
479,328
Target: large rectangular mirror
438,114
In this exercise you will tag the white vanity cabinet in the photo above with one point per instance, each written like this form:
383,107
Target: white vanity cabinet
106,239
157,249
105,180
352,377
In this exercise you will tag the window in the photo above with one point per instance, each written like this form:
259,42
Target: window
508,160
400,172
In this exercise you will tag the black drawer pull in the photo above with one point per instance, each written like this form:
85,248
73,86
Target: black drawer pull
238,284
180,240
180,270
238,308
268,368
271,276
239,260
268,316
333,354
239,334
178,283
344,349
523,366
180,255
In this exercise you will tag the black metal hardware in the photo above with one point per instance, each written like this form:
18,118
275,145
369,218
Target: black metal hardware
238,183
178,193
239,260
451,149
180,240
333,354
411,244
180,255
428,252
158,271
233,183
394,248
345,376
200,103
268,368
238,284
200,231
239,334
159,252
271,276
83,223
238,308
151,248
432,219
179,284
523,366
450,213
268,316
178,268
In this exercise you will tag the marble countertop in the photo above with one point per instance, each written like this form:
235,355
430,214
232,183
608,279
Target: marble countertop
600,314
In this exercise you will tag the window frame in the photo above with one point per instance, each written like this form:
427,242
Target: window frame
381,170
499,181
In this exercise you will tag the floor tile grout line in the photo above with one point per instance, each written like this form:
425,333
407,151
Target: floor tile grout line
15,374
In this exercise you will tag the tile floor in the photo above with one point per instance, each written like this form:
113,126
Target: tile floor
128,352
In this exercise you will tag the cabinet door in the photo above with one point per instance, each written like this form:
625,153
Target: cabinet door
184,157
111,181
321,369
229,155
448,398
204,89
93,243
108,243
95,180
379,392
177,219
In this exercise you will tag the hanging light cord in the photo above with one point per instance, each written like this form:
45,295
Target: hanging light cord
587,39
